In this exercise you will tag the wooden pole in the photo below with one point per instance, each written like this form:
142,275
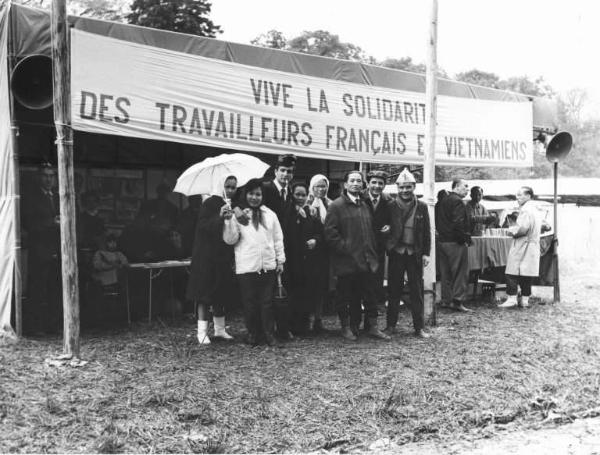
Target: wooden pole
64,142
429,163
15,177
556,281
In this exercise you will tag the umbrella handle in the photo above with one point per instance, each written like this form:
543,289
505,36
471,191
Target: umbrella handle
279,280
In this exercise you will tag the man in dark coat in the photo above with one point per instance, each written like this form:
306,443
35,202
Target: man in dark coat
408,246
41,221
277,193
378,203
351,239
452,224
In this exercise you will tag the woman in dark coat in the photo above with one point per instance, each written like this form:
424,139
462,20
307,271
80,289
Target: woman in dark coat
305,250
211,278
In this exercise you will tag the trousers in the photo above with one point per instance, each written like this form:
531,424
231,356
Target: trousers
257,299
351,289
398,265
454,268
512,281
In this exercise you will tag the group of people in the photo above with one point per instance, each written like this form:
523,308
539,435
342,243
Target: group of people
283,235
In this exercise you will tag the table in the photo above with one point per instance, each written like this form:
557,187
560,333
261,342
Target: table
155,269
486,252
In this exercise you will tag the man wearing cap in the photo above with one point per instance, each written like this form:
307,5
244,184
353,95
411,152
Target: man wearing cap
378,203
351,240
479,217
277,194
408,247
452,224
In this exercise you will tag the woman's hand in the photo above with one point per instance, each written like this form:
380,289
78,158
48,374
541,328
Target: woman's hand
311,244
226,212
279,268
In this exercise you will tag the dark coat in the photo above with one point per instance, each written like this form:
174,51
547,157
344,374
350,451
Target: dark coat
350,237
210,251
451,220
272,199
300,262
422,230
43,234
381,217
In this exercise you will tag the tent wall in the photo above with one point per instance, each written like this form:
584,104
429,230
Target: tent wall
33,37
7,187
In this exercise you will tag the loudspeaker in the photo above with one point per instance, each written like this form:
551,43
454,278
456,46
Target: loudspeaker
31,82
558,146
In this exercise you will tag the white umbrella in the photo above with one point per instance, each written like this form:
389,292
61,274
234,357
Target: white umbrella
204,177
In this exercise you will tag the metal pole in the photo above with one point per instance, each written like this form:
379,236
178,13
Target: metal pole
429,163
556,283
64,142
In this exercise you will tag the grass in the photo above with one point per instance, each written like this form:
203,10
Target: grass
153,389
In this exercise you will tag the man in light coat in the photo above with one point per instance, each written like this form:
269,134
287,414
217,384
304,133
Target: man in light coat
524,256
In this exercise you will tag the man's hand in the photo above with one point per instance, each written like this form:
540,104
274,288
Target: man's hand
279,268
242,218
385,229
425,261
313,211
310,244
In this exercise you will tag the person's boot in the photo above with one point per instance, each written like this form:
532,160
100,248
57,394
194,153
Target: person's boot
375,332
203,332
524,301
458,306
220,331
511,301
420,333
346,331
317,327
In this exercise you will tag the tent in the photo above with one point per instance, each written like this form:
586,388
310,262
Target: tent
144,97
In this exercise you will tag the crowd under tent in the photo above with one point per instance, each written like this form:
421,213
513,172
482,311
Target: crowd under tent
148,103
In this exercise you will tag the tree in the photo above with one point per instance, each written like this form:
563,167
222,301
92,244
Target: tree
273,39
404,64
325,44
184,16
479,77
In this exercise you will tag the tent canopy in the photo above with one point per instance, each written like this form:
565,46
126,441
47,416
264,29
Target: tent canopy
31,35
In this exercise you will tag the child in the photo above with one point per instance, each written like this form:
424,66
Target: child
107,263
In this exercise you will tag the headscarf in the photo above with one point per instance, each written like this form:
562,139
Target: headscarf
256,212
317,202
218,188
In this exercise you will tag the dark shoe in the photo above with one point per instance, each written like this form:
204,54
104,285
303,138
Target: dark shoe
318,328
252,340
422,334
391,330
271,341
348,334
286,336
374,332
457,306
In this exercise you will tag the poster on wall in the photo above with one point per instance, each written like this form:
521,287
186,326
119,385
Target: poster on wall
133,90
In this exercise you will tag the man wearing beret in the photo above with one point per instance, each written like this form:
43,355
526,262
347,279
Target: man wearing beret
408,247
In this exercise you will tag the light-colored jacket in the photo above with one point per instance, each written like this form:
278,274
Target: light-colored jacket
524,254
256,250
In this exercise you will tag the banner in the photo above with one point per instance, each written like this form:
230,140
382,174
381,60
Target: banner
129,89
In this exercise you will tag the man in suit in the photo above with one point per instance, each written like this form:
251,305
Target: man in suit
408,246
378,204
41,221
351,240
277,193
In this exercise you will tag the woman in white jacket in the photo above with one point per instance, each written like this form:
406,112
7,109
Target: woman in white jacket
259,256
524,256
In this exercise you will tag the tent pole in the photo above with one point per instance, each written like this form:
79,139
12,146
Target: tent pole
429,275
64,142
15,177
556,281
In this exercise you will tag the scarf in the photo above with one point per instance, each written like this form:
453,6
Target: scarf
406,208
317,202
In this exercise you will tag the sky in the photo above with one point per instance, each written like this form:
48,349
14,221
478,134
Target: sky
557,40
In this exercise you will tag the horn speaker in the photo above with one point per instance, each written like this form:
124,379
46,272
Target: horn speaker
31,82
558,146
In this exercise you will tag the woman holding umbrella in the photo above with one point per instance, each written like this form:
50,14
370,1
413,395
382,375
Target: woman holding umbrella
211,276
259,256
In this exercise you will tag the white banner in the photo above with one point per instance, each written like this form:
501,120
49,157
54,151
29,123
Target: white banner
128,89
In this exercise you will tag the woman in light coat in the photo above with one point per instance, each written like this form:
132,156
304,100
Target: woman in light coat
524,256
259,256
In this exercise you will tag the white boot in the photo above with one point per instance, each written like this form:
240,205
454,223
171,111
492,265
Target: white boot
203,332
525,301
510,302
220,331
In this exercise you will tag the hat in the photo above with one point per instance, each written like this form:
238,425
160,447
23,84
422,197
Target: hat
286,160
377,175
405,177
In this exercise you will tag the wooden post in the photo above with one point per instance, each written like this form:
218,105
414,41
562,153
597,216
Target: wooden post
429,163
556,281
15,177
64,142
